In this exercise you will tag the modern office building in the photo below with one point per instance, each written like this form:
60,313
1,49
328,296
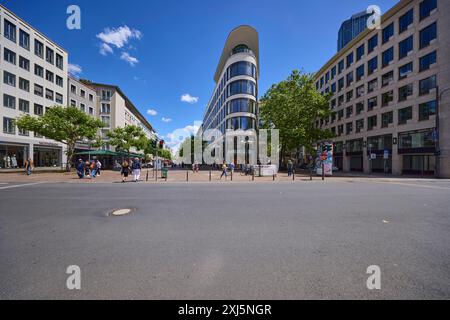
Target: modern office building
234,103
33,78
391,93
351,28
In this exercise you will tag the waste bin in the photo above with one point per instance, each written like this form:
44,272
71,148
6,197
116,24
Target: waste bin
164,173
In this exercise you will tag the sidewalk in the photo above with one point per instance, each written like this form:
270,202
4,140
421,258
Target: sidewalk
183,176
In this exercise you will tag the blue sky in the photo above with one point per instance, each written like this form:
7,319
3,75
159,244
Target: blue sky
162,50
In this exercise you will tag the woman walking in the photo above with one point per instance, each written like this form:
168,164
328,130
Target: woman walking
224,170
136,169
29,166
125,171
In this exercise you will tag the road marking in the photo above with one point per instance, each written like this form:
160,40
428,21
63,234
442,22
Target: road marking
413,185
21,185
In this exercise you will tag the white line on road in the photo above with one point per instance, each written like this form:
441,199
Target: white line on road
21,185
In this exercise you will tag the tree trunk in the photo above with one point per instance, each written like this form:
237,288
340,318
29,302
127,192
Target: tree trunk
70,152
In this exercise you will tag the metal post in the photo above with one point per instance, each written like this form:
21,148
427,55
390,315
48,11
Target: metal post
231,175
437,172
323,172
146,178
293,175
253,175
187,176
210,175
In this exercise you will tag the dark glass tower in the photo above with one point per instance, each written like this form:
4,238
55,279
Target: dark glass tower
352,28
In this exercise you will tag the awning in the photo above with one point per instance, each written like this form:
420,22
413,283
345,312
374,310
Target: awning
97,153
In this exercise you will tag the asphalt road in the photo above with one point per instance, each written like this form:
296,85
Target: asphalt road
303,240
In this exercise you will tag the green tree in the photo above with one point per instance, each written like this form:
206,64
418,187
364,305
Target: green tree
124,139
166,154
293,106
65,125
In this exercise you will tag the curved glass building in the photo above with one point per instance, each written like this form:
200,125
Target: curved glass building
234,103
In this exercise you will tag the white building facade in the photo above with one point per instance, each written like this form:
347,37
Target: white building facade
33,78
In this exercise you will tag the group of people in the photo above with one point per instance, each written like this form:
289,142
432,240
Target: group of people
90,169
227,167
134,167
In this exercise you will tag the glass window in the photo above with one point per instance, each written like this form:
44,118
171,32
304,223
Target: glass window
359,125
405,47
406,20
341,66
372,122
24,39
388,32
360,91
38,48
386,119
9,78
241,105
9,56
24,105
372,65
349,128
388,56
49,55
9,30
349,112
359,108
404,115
38,109
241,87
387,78
360,52
24,63
39,71
49,76
59,61
372,43
8,126
426,85
24,84
49,94
426,7
372,103
418,139
426,61
372,85
38,90
387,98
359,72
340,84
333,72
349,60
9,101
426,110
59,81
333,87
242,68
405,92
405,70
427,35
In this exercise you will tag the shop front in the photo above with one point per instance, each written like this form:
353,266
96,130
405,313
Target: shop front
13,156
417,149
355,155
339,156
381,147
47,156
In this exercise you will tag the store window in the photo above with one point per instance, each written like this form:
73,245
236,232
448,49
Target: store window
46,157
12,156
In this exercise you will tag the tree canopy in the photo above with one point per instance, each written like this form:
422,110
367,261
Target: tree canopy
124,139
67,125
293,106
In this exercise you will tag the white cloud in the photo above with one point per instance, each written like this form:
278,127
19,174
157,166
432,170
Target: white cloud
177,137
105,49
119,37
74,69
152,112
189,99
166,120
131,60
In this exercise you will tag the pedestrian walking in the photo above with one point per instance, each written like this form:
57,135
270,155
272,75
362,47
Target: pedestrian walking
87,170
99,167
232,167
80,169
290,167
93,168
136,167
125,171
29,166
224,171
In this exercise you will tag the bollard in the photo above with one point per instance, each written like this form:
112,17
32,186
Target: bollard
323,172
293,175
274,176
187,176
310,174
231,175
210,175
146,178
253,175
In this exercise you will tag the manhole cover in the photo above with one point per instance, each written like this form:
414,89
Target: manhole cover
120,212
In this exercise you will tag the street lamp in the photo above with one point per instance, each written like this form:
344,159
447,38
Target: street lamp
437,138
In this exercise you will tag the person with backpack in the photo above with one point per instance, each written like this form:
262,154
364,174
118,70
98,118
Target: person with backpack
136,167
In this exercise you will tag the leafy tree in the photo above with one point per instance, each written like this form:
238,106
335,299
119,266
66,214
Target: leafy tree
293,106
65,125
164,153
124,139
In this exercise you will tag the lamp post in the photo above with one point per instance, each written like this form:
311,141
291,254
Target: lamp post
437,137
